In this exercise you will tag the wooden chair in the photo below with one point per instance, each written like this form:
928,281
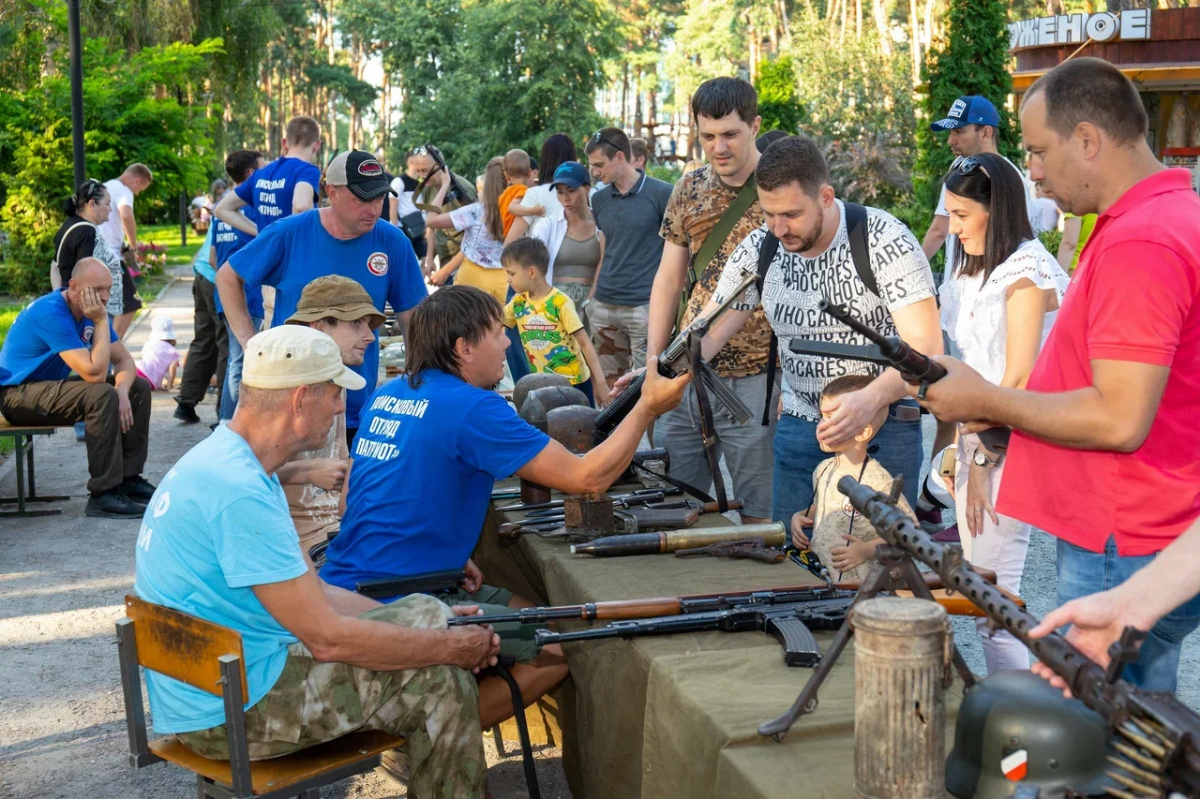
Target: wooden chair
209,657
22,436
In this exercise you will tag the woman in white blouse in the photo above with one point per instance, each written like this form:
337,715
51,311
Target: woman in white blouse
483,236
576,245
998,307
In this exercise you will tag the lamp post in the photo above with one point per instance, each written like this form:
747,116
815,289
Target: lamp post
76,45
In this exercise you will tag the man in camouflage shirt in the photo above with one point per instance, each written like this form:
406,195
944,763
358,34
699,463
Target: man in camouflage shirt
726,110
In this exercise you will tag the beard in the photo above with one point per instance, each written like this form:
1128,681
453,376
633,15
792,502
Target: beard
808,239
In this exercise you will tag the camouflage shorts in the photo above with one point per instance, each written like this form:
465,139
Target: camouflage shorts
436,709
619,333
516,639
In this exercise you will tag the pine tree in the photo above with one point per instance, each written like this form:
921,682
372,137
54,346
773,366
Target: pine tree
973,59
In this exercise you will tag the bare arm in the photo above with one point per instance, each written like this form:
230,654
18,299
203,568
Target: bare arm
669,282
1027,306
1072,226
231,287
599,384
228,210
124,367
303,198
169,378
935,237
516,209
591,295
556,467
129,224
302,606
519,228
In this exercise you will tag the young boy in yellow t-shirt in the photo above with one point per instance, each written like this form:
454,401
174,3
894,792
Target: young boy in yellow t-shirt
552,333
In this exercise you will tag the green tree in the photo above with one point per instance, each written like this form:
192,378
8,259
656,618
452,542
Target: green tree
972,59
778,101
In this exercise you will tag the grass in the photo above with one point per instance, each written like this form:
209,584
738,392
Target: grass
8,314
177,254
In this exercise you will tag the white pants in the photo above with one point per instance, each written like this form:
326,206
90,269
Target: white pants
1000,548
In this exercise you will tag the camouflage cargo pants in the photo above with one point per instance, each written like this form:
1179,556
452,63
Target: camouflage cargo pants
435,708
619,333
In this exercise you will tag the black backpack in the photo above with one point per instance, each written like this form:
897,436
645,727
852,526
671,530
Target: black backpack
860,253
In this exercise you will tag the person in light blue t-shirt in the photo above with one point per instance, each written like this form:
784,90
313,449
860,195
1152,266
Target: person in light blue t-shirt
347,238
217,542
430,447
286,186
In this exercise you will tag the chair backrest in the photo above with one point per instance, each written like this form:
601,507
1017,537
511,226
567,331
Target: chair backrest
183,647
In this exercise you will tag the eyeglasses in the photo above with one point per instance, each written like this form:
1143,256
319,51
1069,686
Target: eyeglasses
969,165
597,137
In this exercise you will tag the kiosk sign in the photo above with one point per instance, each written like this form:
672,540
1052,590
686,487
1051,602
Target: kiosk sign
1130,25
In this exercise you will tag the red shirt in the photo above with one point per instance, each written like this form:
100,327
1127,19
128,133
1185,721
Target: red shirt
1135,297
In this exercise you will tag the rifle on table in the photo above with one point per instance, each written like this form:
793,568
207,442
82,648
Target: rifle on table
915,368
642,496
1157,735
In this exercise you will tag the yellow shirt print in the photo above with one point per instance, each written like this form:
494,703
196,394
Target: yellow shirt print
547,327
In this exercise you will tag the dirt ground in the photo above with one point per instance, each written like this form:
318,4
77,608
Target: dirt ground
62,583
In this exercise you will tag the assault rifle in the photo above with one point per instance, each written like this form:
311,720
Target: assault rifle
1157,736
673,362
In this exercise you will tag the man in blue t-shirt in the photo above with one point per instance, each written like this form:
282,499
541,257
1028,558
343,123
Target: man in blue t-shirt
346,238
286,186
56,334
432,444
227,240
218,543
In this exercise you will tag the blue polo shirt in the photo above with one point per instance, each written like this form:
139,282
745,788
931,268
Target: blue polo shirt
290,254
43,330
226,241
217,526
425,461
269,190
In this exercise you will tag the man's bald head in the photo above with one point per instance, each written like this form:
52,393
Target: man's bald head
92,273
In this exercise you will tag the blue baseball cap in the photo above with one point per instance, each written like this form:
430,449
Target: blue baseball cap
969,110
571,174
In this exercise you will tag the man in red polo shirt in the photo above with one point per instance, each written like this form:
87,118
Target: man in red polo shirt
1106,453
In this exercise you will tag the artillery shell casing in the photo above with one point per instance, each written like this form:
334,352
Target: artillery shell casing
772,533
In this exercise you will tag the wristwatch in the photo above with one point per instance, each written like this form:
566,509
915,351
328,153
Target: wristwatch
981,459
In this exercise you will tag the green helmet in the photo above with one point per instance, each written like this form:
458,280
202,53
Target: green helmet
1014,729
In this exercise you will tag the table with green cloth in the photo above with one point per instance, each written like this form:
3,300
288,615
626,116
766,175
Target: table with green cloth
676,715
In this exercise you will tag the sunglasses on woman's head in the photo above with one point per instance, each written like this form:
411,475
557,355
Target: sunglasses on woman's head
969,165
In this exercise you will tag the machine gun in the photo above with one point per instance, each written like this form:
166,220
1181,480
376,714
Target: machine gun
1157,736
916,368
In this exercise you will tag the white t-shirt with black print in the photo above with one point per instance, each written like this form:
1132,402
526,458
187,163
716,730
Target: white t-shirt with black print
794,285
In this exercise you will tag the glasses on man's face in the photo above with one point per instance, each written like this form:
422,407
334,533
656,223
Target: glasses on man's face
968,165
597,137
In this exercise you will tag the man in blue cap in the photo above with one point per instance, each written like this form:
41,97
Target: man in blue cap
974,127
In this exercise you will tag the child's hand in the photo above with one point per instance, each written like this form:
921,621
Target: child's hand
854,553
537,210
600,389
799,522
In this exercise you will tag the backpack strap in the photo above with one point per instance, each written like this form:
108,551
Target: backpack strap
860,249
766,254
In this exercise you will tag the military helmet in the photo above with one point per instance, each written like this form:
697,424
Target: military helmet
1015,730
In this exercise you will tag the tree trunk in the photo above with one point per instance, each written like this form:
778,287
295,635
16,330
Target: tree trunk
625,97
782,14
637,104
842,35
385,111
885,38
857,19
331,99
652,109
916,40
929,5
267,104
752,45
831,11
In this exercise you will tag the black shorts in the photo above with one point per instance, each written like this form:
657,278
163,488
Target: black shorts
129,298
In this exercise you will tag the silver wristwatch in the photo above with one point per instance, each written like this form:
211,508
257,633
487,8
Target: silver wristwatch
981,459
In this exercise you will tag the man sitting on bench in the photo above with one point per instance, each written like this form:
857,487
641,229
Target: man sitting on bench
218,542
54,336
429,449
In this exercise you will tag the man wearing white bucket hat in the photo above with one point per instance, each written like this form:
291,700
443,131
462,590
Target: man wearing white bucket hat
218,542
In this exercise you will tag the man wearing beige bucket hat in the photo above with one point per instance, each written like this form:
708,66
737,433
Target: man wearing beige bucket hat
217,542
342,309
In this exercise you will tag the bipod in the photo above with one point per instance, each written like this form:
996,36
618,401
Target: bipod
892,570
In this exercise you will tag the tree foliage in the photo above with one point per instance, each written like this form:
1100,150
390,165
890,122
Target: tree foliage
778,96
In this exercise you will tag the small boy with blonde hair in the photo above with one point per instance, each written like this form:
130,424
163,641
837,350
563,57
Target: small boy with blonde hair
844,540
552,334
518,171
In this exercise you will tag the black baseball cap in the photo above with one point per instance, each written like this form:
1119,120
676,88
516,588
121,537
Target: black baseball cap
360,172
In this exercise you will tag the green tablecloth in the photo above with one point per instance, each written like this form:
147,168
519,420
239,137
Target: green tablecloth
676,716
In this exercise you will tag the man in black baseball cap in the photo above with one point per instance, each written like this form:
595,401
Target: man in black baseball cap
360,172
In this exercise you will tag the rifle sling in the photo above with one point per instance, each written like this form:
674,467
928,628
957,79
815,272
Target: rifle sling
713,241
708,432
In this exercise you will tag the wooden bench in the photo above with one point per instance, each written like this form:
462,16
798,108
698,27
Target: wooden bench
22,437
209,657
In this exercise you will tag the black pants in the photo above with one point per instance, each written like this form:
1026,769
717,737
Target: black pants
209,349
112,455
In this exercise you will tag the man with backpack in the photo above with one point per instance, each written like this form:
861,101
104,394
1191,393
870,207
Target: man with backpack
814,246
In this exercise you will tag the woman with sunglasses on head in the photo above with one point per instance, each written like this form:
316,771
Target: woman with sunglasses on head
77,238
483,234
1003,293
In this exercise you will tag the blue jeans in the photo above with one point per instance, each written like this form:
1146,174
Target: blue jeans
897,448
518,361
233,372
1081,572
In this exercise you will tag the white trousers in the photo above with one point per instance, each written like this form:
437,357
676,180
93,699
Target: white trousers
1000,548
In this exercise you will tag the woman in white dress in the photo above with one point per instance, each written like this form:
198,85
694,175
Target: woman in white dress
998,307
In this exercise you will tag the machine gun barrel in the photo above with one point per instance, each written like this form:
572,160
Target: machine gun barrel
913,366
1164,731
673,362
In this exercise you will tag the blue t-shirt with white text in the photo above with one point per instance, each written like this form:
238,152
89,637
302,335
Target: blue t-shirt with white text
217,526
45,328
425,461
226,241
290,254
269,190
